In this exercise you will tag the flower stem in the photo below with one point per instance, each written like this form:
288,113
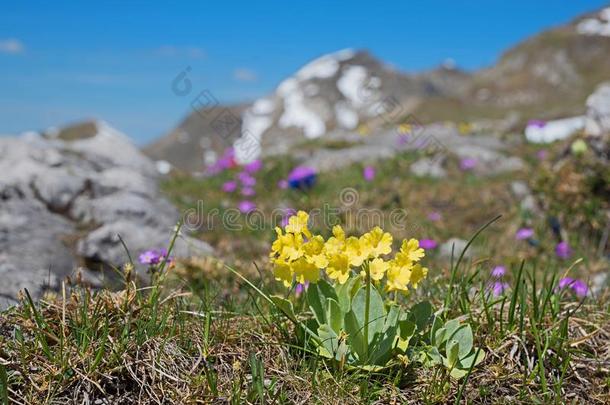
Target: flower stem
367,307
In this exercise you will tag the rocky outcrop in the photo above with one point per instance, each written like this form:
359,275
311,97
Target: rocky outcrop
597,122
65,198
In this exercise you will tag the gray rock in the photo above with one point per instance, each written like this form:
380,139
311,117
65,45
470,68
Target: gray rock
429,167
456,246
597,121
599,283
489,161
54,190
104,245
58,187
124,205
124,178
33,247
520,189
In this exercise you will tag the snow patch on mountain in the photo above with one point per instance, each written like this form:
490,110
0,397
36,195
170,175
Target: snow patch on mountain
346,117
599,25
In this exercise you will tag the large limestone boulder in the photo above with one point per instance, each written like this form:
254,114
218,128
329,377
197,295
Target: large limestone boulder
66,196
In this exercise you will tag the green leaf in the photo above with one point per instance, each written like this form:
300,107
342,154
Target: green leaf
451,327
436,325
335,315
381,353
458,373
316,298
465,338
420,314
392,318
285,306
466,362
405,333
355,334
345,292
330,341
430,356
452,350
439,337
376,311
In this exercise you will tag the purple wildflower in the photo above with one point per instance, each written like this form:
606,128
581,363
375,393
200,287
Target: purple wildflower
369,173
246,179
563,250
246,206
302,177
428,244
253,167
435,216
578,286
152,257
498,272
229,186
524,233
282,184
248,191
536,123
467,164
300,288
498,287
541,154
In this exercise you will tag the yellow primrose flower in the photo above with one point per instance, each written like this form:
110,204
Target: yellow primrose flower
411,250
335,244
298,224
338,268
398,277
292,247
314,252
377,268
305,271
418,273
357,251
379,242
283,273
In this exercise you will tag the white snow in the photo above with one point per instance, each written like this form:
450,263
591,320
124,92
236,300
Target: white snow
294,93
554,130
321,68
296,113
596,26
325,66
263,106
247,147
346,117
352,85
344,54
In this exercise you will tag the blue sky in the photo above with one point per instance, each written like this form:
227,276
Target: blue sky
63,61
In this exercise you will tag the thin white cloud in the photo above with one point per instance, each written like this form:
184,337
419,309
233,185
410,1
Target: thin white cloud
11,46
244,75
170,51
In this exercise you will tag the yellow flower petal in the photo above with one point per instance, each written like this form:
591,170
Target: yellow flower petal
378,241
338,268
305,271
298,224
377,268
418,274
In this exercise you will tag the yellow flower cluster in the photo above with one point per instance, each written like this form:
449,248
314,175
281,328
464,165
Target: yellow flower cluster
297,255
